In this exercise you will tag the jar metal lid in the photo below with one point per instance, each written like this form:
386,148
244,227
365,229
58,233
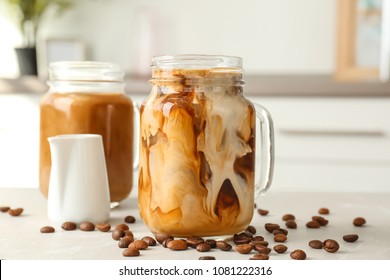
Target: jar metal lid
85,71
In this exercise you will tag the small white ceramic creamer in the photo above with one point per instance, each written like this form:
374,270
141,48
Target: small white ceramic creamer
78,188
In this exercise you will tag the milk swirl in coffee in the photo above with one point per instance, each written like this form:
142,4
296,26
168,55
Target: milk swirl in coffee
197,153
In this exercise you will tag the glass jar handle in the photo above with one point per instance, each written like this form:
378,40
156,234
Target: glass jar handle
264,142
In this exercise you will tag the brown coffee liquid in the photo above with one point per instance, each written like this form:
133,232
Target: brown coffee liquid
107,114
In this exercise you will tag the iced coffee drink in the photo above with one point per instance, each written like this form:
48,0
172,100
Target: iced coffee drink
85,104
197,152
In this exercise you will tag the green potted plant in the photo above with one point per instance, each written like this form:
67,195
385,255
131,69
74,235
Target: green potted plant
29,15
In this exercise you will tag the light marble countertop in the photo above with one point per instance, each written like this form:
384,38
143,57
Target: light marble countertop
20,237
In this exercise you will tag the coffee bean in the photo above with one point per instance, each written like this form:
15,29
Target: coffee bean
166,242
244,248
261,249
87,226
291,224
129,219
224,246
131,252
323,211
203,247
359,221
125,242
270,227
117,234
298,255
211,242
4,209
351,237
251,229
193,241
122,227
149,240
315,244
160,237
313,224
128,233
260,257
47,229
262,212
15,212
280,248
241,239
257,238
139,245
262,243
321,220
177,245
330,245
280,238
280,231
287,217
69,226
206,258
103,227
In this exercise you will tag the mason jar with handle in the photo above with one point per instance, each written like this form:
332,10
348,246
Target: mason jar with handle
198,148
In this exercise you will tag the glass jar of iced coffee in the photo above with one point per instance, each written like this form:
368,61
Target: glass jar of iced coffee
88,97
198,148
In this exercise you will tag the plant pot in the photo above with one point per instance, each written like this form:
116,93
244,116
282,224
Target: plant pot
27,60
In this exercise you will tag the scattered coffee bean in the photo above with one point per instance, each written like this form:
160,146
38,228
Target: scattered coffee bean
280,231
87,226
260,257
280,237
103,227
224,246
244,248
270,227
351,237
160,237
177,245
15,212
131,252
117,234
287,217
4,209
139,245
323,211
125,242
280,248
291,224
128,233
330,245
312,224
122,227
262,212
315,244
251,229
211,242
193,241
241,239
359,221
203,247
261,249
262,243
206,258
47,229
69,226
321,220
129,219
257,238
298,255
149,240
166,242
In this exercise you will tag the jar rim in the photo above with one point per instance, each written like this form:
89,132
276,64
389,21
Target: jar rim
85,71
196,61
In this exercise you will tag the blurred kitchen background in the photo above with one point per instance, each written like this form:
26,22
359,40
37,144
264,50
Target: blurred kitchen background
321,67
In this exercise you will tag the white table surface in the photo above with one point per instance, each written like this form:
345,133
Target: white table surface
20,237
